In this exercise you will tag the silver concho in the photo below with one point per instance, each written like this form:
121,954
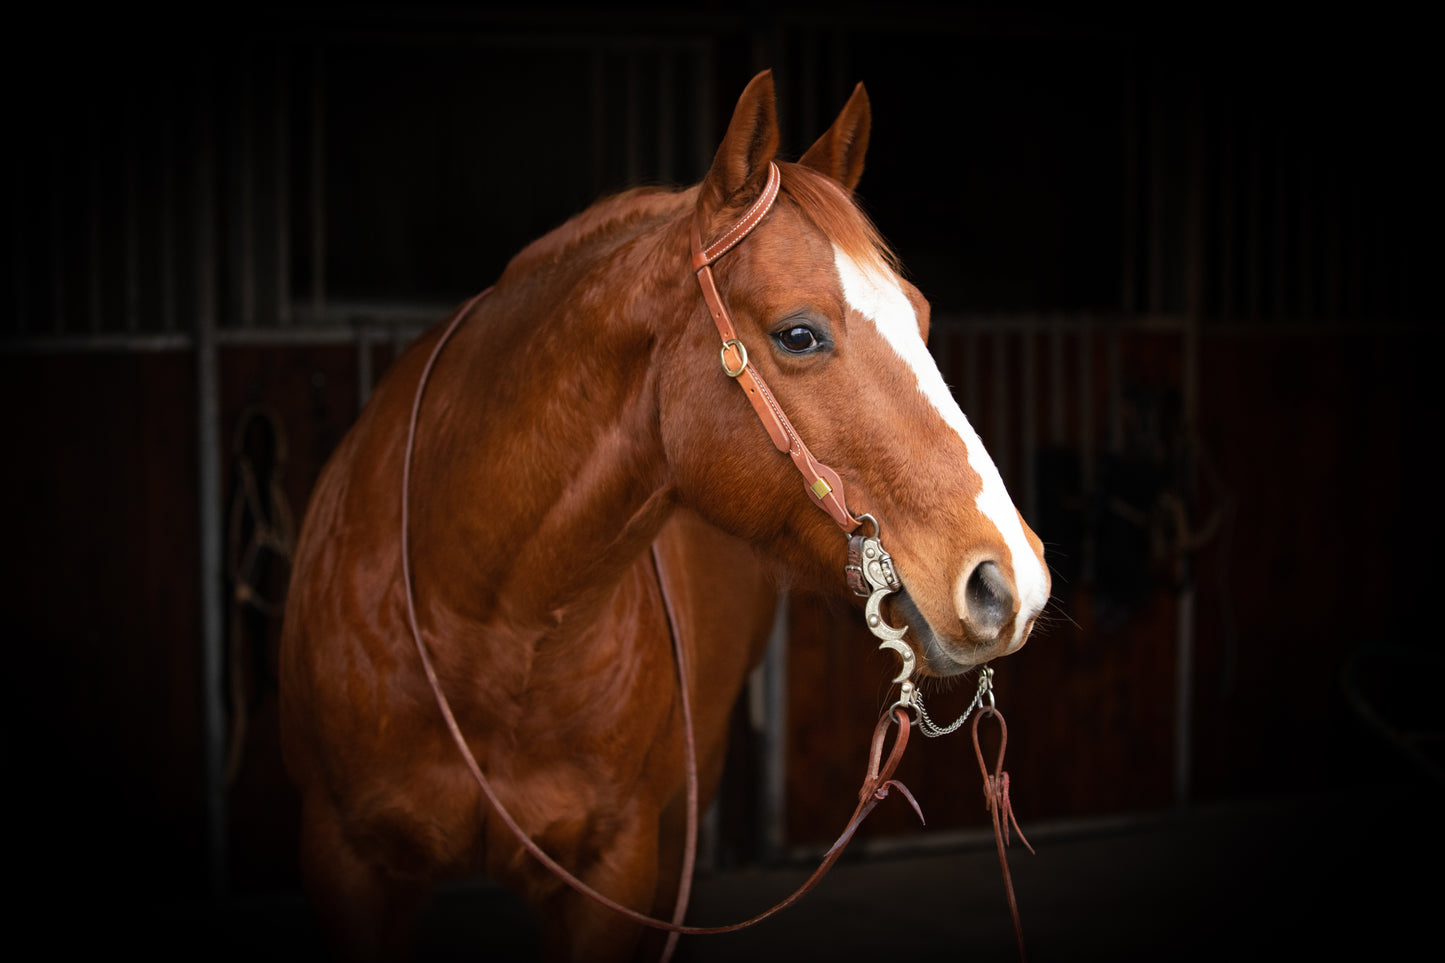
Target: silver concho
882,581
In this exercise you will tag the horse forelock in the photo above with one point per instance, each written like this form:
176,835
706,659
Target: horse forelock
831,209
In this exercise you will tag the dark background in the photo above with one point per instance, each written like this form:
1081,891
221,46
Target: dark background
1179,268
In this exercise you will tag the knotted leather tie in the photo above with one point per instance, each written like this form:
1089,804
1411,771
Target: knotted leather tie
995,791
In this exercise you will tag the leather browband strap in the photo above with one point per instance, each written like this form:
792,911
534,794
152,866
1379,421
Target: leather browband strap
822,483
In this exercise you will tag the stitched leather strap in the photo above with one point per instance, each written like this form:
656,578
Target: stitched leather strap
824,487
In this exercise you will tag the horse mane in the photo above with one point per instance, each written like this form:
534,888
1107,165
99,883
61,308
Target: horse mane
611,220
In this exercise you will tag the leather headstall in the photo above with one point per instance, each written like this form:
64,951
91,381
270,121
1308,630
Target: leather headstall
822,483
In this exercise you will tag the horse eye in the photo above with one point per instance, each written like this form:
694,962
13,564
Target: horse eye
798,339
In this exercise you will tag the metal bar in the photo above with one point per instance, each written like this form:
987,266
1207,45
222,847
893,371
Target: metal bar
169,279
94,257
1129,263
57,240
632,121
1305,264
1028,433
1114,412
364,373
1193,313
1085,362
770,683
1279,256
599,121
959,324
1058,433
1227,206
283,192
1334,260
131,227
808,123
705,131
209,501
1157,194
378,313
20,187
318,183
1254,227
246,215
138,343
1001,445
666,117
966,340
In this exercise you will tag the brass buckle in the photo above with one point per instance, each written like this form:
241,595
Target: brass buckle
742,353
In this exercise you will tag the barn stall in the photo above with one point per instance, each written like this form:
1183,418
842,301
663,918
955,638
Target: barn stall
1178,272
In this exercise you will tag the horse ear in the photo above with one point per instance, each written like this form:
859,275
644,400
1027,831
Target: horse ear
839,152
750,143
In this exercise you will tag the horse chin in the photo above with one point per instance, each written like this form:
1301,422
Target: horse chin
936,657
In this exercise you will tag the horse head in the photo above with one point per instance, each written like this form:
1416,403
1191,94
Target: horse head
839,336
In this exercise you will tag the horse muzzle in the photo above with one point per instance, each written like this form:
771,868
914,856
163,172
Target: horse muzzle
990,621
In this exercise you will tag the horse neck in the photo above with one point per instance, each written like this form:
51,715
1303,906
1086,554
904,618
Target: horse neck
546,476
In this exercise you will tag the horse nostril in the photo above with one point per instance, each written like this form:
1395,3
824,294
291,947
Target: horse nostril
989,598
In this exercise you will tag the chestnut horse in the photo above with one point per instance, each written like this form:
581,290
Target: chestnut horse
576,419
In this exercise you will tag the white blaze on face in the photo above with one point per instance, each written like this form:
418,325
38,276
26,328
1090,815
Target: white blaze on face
874,293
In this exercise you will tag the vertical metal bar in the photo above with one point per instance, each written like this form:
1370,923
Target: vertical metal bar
1085,362
365,375
1254,230
167,245
666,116
1057,429
318,186
1359,268
1227,206
1028,433
208,450
283,191
21,187
632,119
1193,314
839,74
1305,266
131,309
1002,442
1114,360
704,129
1157,240
1334,200
972,396
57,239
1279,255
808,124
769,686
1129,263
599,121
94,256
246,201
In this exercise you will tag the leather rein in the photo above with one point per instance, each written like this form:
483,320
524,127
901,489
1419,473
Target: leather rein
869,573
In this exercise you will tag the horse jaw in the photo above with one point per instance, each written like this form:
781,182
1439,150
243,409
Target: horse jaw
999,590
